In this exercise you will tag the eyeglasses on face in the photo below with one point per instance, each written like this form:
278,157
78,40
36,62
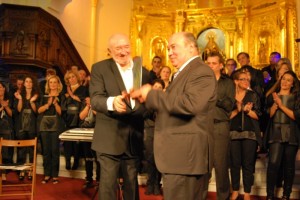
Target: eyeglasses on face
244,79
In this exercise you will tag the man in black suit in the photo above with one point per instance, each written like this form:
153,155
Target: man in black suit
183,136
118,135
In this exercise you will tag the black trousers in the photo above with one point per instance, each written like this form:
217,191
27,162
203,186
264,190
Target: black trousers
111,166
242,155
285,154
153,174
71,149
50,142
90,157
7,152
221,161
22,151
179,187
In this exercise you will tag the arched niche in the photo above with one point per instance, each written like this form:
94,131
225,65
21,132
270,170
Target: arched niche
211,39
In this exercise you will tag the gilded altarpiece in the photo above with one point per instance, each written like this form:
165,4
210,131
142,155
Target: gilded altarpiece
256,27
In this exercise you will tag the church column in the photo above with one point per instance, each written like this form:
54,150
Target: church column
179,20
93,32
292,48
297,67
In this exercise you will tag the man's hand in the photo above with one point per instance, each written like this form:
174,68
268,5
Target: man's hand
119,104
141,94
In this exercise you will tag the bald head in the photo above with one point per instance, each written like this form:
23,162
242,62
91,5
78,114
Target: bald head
119,49
182,46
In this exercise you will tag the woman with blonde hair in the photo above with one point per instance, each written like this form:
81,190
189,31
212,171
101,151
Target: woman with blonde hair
50,124
75,95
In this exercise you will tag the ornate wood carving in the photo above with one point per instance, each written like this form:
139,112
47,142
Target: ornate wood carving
31,38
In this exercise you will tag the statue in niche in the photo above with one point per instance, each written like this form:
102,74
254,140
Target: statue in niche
263,50
211,46
159,48
20,42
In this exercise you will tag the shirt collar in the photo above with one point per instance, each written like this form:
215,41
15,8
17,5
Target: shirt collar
121,68
186,63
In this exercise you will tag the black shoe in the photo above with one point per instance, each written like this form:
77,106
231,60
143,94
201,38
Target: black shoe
46,180
21,176
55,181
284,197
88,184
29,175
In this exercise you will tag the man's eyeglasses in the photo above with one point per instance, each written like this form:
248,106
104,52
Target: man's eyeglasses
244,79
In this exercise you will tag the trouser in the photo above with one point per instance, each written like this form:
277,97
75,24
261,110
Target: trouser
111,166
187,187
154,175
242,155
90,157
285,154
221,165
71,149
7,152
21,151
50,142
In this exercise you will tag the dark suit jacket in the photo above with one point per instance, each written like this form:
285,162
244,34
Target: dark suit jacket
184,124
114,133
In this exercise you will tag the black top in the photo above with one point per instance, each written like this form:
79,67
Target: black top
27,117
243,124
6,126
281,128
225,99
72,107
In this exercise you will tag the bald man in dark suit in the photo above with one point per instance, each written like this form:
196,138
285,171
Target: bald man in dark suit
118,135
183,135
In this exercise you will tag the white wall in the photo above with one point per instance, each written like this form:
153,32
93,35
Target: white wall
113,17
75,15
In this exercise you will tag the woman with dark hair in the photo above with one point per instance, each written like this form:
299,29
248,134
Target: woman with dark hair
49,126
244,134
27,109
282,135
6,130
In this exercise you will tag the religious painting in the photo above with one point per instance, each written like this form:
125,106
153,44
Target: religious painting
211,40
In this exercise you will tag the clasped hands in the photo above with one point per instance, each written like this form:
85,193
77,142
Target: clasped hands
277,101
140,94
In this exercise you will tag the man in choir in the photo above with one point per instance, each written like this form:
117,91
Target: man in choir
118,135
222,111
183,138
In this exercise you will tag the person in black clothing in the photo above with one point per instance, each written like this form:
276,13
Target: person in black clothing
6,130
222,111
230,67
244,134
282,138
156,67
27,109
75,95
87,117
274,58
154,176
50,125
